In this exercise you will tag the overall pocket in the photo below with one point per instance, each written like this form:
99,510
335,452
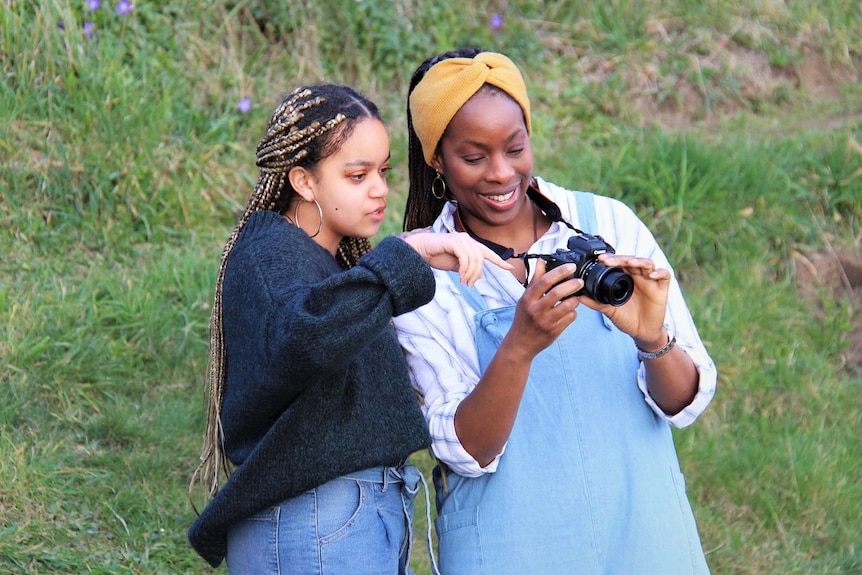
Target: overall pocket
460,544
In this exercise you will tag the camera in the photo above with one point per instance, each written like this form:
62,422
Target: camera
608,285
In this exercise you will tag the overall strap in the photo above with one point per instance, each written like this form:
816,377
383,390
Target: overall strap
585,205
586,212
470,294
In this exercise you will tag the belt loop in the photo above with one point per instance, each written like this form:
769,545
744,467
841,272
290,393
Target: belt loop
386,472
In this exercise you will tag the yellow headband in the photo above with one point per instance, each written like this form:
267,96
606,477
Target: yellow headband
450,83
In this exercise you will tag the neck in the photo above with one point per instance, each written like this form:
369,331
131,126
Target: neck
511,239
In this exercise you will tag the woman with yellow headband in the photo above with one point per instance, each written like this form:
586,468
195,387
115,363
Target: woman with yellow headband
550,389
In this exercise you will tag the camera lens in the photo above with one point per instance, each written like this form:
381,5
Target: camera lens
608,285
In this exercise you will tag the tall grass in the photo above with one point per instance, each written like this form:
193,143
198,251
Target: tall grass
124,160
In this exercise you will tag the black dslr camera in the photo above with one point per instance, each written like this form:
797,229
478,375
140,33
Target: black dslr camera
605,285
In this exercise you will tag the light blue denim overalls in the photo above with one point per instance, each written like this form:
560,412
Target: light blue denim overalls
589,482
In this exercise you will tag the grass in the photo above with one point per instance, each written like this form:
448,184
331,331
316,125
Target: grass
731,127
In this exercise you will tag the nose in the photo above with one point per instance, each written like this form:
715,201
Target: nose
380,188
500,169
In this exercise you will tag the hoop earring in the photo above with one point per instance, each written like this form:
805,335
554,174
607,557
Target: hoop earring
434,189
319,211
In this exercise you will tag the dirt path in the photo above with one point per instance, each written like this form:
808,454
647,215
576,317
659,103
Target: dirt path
836,274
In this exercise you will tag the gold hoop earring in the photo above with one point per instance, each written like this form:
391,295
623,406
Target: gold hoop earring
319,211
442,190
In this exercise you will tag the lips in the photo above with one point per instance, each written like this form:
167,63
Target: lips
502,198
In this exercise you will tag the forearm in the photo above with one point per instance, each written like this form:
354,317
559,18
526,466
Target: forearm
485,418
672,379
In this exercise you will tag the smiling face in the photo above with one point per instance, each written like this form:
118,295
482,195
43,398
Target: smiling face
486,158
350,186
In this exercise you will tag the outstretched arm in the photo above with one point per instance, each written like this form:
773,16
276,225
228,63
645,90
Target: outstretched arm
454,252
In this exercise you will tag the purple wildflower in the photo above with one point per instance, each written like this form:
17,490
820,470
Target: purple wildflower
93,5
88,28
244,105
496,22
61,26
124,7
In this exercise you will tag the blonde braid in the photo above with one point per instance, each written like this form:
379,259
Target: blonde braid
350,250
283,146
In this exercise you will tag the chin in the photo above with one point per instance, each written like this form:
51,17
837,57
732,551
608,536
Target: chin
366,234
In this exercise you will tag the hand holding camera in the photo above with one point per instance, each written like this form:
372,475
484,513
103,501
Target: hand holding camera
611,281
607,285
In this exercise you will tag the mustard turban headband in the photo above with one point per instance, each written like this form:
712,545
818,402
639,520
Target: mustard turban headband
450,83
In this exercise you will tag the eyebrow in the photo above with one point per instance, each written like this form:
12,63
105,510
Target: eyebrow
511,137
365,163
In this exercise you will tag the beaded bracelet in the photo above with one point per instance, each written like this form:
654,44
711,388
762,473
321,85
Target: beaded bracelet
657,354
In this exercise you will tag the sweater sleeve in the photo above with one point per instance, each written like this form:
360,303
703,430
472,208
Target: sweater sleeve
408,278
324,324
299,314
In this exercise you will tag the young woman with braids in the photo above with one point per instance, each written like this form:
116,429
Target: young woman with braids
549,411
310,399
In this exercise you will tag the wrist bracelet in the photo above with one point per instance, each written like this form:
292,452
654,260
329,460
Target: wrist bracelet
657,354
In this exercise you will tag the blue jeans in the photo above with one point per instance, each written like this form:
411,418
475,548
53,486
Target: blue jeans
358,523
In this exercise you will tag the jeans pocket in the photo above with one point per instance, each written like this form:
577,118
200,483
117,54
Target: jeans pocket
338,504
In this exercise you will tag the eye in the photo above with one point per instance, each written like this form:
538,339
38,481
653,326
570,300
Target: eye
357,177
385,171
516,151
472,160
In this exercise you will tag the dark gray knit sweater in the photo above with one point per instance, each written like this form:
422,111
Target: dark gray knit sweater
316,383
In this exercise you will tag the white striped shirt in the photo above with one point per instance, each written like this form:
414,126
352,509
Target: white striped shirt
439,340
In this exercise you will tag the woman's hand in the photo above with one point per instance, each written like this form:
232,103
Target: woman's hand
544,310
642,317
456,252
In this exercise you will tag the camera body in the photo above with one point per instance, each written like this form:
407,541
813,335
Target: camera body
608,285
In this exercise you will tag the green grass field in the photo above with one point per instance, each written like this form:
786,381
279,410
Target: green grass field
732,127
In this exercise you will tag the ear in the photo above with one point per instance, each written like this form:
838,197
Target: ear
301,181
437,163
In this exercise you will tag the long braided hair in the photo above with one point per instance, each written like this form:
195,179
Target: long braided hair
422,208
309,125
